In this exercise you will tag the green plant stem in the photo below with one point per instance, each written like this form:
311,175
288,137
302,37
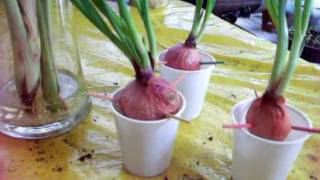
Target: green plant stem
24,37
119,27
144,13
280,58
272,9
49,78
306,16
209,7
128,38
196,19
300,25
88,10
200,20
123,33
136,39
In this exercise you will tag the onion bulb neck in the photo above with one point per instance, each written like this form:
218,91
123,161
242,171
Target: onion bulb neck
191,41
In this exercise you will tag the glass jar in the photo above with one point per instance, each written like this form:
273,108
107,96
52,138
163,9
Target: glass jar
38,110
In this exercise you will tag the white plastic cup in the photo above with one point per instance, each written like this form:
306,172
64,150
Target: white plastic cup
258,158
146,146
193,85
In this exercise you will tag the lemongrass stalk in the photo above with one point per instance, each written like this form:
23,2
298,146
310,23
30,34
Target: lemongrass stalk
24,37
301,22
49,78
280,57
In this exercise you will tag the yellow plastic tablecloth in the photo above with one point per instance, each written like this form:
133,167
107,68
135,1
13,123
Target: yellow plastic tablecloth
203,150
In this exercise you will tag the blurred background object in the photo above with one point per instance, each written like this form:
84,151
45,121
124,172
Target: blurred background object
311,51
251,16
230,10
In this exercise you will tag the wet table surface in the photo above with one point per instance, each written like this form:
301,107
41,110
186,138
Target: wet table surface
203,150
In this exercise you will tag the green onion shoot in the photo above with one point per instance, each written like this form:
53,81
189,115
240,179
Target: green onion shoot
147,97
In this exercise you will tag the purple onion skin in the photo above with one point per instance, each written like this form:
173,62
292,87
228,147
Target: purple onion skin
269,118
148,101
183,57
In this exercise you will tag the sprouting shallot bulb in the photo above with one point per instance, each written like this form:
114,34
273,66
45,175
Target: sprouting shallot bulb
147,97
186,56
151,101
268,118
183,57
267,115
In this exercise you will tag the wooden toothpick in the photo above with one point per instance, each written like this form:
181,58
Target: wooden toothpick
297,128
177,118
100,96
161,62
306,129
178,79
